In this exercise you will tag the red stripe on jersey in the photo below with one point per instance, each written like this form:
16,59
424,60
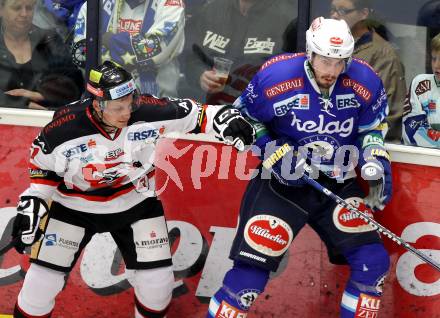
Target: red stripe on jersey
73,187
45,182
97,198
32,166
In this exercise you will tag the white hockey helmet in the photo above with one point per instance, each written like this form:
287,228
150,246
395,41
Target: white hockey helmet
329,37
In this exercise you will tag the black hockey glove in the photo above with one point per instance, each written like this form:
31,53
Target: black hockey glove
288,162
26,230
231,127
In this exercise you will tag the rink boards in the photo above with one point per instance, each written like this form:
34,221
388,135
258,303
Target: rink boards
201,196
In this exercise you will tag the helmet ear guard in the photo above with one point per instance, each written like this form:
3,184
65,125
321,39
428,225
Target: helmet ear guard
330,38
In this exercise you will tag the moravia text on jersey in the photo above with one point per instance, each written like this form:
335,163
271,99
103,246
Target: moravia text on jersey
286,98
76,163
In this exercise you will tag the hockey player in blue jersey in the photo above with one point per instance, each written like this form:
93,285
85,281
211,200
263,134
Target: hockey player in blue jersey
332,105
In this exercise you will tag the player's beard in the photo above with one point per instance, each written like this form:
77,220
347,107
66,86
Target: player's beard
326,81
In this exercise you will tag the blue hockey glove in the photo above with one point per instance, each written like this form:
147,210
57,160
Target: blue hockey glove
376,169
26,230
287,161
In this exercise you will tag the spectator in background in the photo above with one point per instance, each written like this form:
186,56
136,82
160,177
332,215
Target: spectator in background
26,54
145,36
58,14
429,16
421,119
192,7
377,52
246,32
53,90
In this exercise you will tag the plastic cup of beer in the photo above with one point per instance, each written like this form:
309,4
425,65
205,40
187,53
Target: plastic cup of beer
222,67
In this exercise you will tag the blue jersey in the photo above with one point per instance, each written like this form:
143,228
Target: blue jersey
286,98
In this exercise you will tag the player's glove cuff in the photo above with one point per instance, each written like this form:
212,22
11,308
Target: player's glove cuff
30,211
233,129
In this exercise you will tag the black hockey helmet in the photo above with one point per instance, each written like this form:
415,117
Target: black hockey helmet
110,81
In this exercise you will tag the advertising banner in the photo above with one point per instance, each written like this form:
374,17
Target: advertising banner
201,192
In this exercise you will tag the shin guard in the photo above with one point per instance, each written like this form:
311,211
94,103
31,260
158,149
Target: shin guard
37,295
369,265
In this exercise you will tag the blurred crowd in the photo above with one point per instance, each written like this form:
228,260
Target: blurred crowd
207,50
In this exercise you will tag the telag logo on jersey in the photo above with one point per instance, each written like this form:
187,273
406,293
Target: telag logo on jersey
215,42
299,101
253,46
343,129
346,101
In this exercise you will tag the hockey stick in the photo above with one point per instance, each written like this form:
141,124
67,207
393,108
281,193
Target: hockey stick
371,221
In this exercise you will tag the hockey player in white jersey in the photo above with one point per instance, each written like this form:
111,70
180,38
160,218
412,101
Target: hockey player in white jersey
95,162
421,119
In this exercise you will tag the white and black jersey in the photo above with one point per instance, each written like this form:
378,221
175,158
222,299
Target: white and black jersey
75,162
